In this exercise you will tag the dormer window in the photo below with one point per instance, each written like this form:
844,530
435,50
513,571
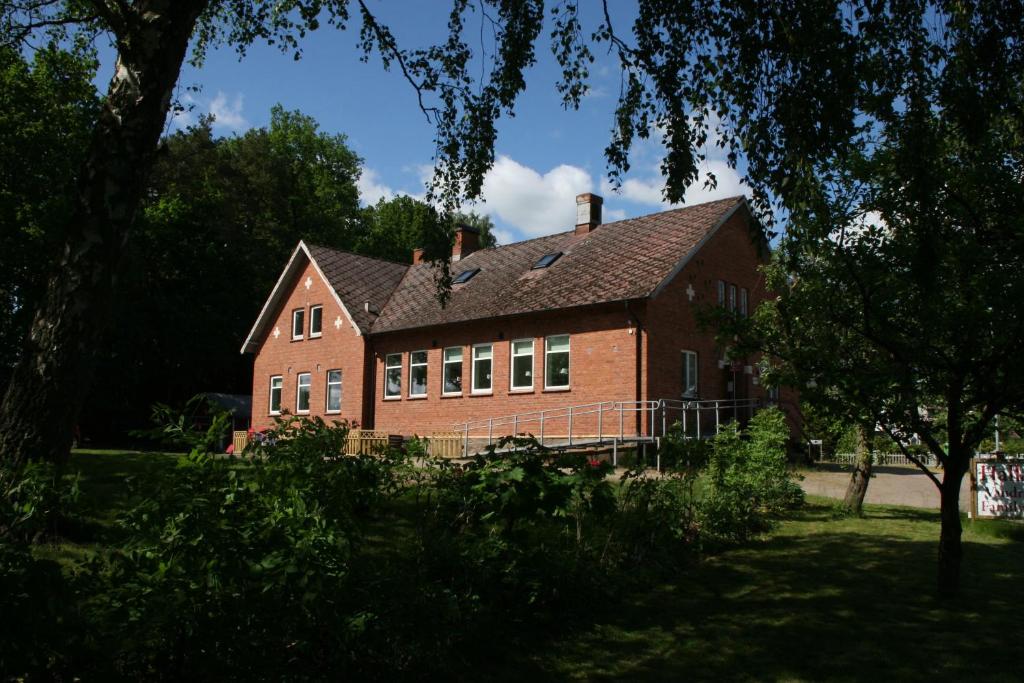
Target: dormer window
465,276
298,323
316,321
546,260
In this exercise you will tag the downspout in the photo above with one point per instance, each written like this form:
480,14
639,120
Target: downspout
641,331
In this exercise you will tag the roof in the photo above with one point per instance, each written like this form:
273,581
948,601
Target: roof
358,280
622,260
619,261
236,404
354,280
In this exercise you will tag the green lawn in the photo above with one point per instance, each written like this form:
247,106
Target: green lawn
821,598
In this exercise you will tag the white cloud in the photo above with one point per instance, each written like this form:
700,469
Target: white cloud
534,203
371,189
228,114
611,215
650,190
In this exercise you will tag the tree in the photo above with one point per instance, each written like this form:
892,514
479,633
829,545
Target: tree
394,227
219,218
481,222
46,109
839,109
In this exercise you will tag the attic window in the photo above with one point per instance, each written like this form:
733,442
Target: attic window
546,260
465,276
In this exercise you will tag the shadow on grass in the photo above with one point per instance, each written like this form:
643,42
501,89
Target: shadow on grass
820,600
111,482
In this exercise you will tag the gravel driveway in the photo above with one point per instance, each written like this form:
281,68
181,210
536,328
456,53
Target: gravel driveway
890,485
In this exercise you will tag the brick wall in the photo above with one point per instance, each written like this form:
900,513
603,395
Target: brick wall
729,255
339,347
602,360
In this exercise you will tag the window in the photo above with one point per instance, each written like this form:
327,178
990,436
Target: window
302,392
744,301
482,363
773,394
465,276
452,382
556,362
689,374
316,321
721,293
418,373
393,375
546,260
334,391
522,364
276,384
298,322
732,297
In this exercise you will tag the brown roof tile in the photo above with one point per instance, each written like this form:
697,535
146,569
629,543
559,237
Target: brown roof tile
622,260
359,279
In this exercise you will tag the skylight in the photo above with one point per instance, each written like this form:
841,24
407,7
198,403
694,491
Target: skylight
465,276
546,260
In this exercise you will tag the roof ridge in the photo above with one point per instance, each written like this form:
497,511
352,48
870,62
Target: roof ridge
677,209
352,253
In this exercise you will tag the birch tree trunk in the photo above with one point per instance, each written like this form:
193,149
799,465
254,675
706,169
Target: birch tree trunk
41,405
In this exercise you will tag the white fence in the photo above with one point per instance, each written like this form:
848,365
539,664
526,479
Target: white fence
883,459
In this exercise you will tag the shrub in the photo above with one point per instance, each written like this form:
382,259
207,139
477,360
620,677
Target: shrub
39,629
748,479
239,568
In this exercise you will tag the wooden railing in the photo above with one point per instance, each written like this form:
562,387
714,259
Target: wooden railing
240,440
445,444
365,441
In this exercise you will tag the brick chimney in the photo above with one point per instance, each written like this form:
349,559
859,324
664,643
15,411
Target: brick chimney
417,256
467,240
588,212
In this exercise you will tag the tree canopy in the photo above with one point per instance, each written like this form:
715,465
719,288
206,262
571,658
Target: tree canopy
908,114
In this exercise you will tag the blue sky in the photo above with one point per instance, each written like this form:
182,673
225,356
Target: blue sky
545,155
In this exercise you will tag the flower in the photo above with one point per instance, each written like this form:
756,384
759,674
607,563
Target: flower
594,462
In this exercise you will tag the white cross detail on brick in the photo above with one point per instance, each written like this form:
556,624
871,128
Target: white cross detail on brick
309,282
338,323
689,292
277,332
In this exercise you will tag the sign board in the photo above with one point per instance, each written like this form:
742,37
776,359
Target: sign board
999,489
815,442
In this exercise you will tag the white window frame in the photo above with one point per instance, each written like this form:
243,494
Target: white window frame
444,367
744,302
473,360
512,364
687,354
302,325
732,298
547,353
298,392
327,398
320,332
721,293
388,366
280,394
426,377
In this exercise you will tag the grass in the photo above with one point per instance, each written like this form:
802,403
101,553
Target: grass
823,597
110,483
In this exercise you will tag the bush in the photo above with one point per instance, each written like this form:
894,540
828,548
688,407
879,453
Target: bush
749,480
240,568
39,629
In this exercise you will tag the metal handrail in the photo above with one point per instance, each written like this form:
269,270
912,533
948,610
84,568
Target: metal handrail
572,413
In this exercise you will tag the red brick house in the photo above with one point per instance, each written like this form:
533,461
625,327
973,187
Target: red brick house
601,313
